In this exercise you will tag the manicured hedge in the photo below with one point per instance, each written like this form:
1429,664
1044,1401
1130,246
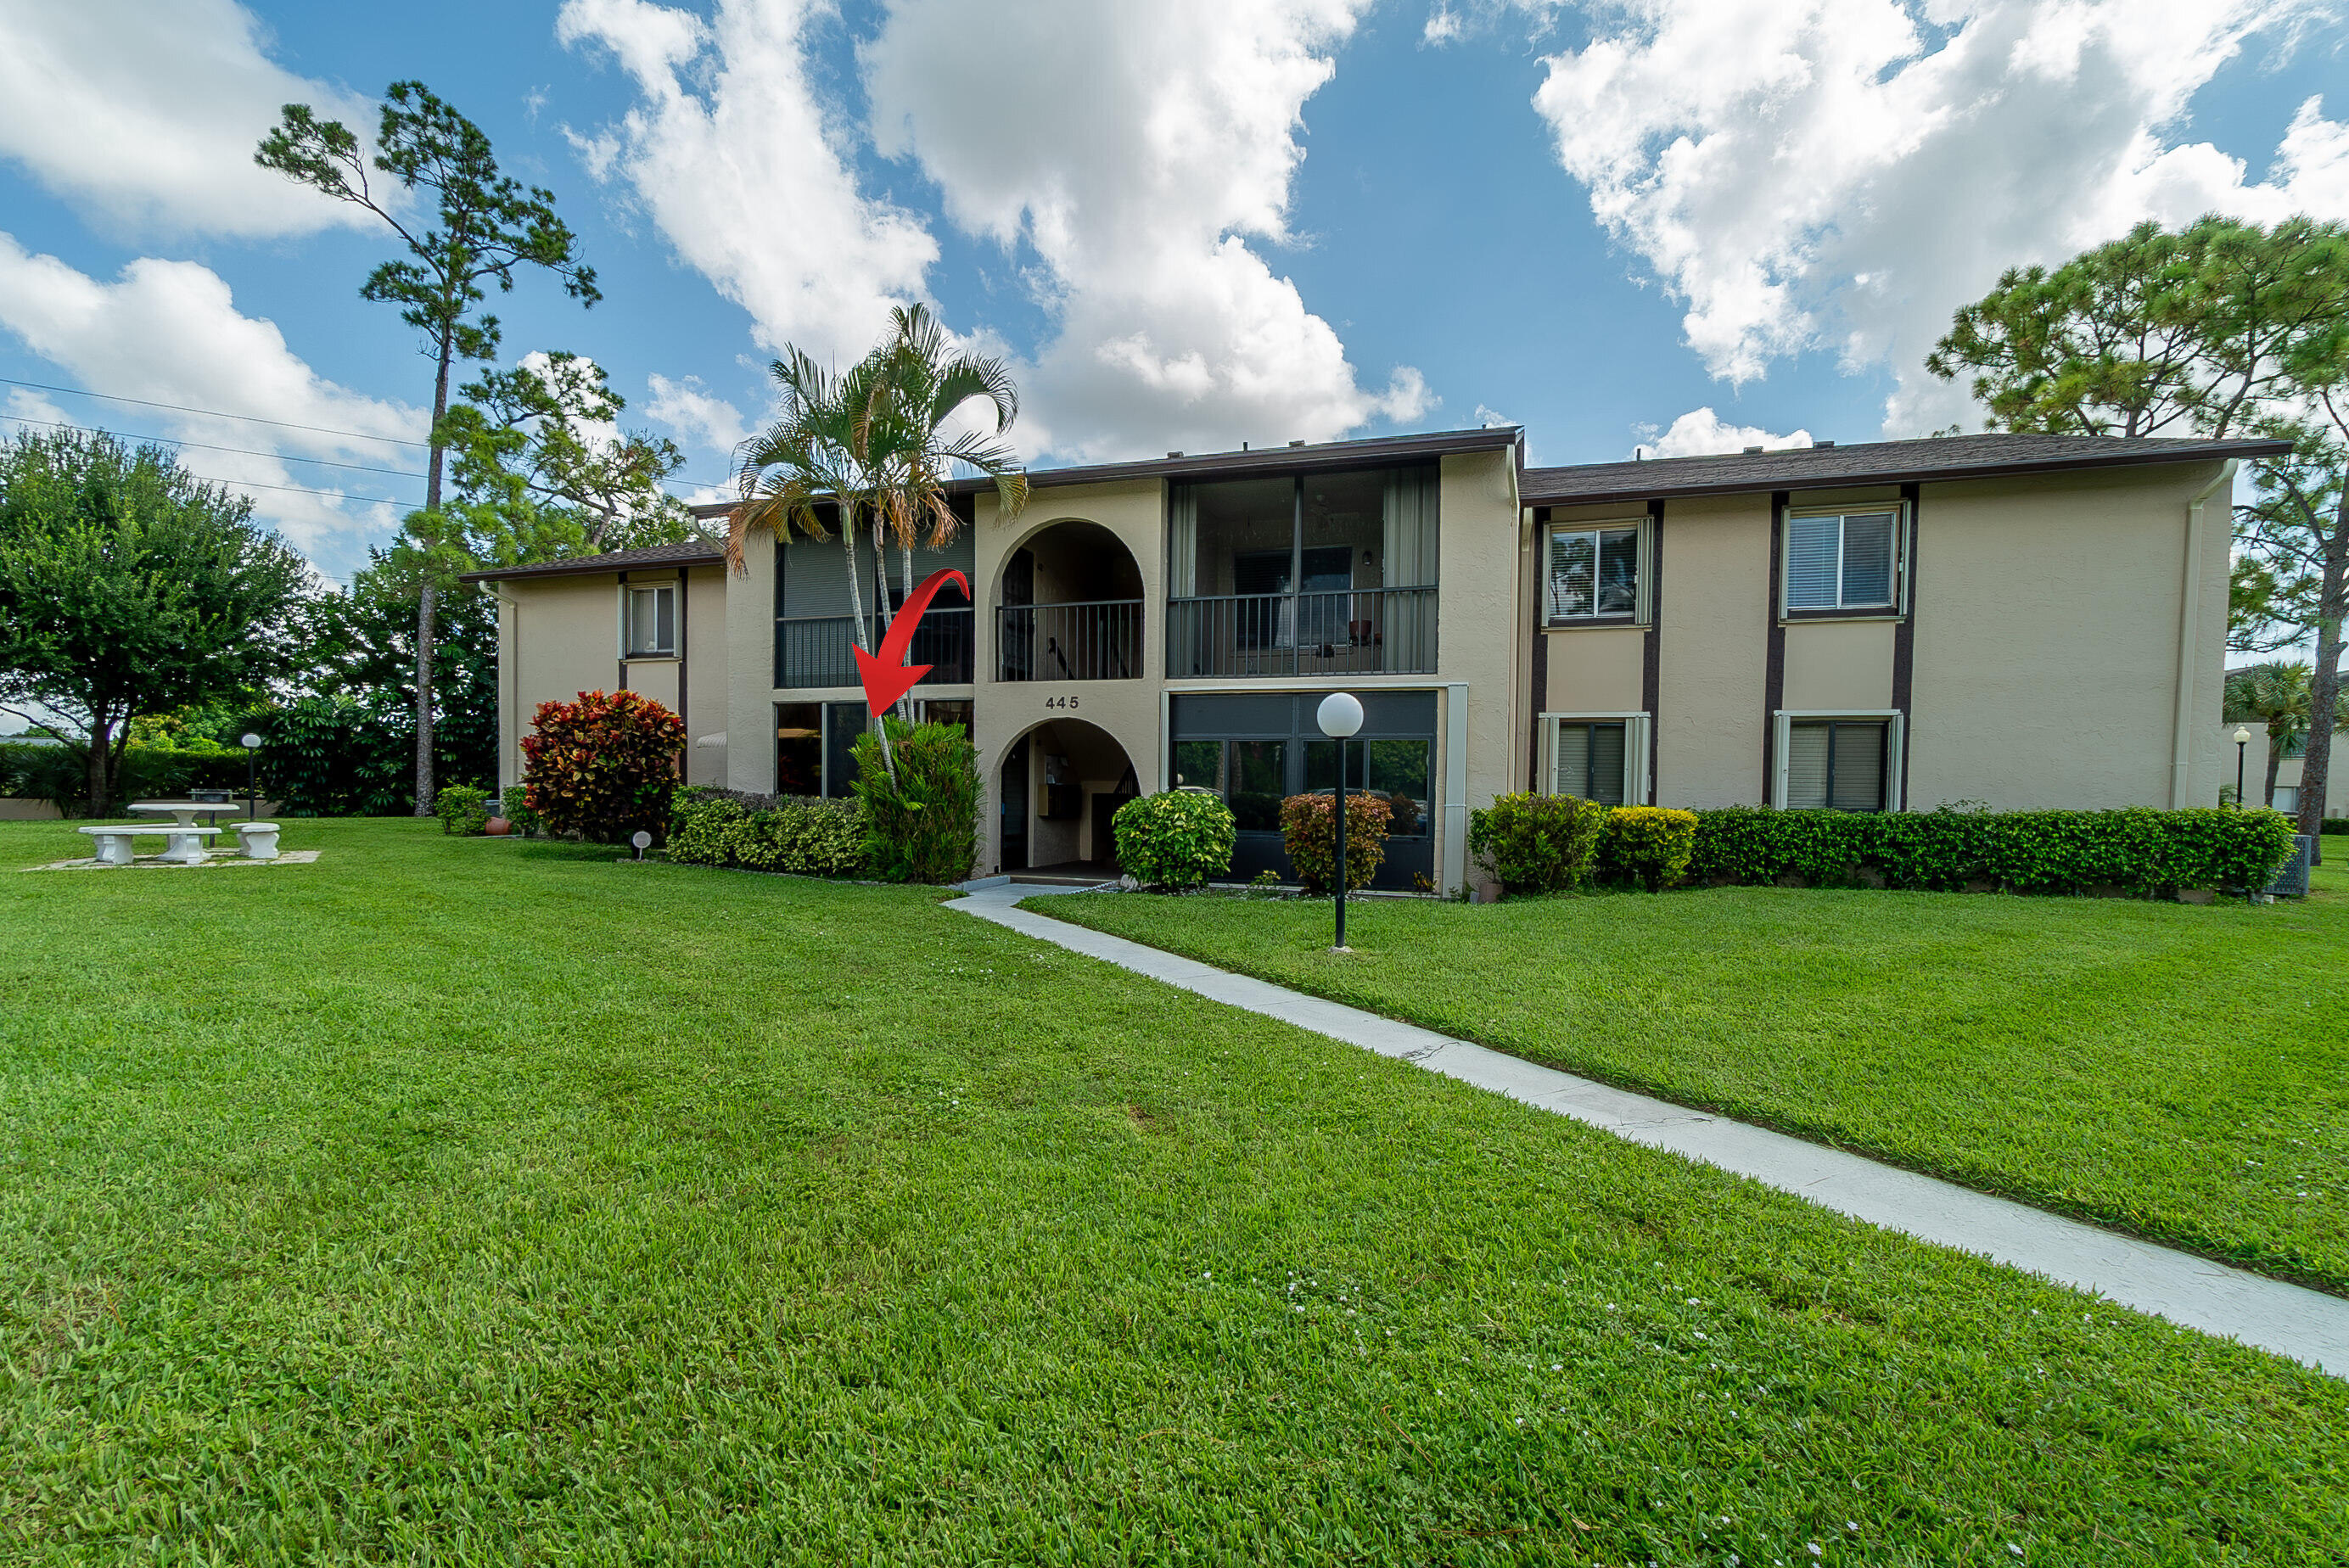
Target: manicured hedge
1538,843
1647,846
762,832
2135,848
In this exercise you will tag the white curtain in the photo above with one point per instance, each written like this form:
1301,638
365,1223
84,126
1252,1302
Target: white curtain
1411,536
1182,542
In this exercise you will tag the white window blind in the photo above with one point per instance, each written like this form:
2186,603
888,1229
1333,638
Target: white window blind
652,622
1601,757
1842,562
1837,764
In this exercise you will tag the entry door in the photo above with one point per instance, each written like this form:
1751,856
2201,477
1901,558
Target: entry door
1012,802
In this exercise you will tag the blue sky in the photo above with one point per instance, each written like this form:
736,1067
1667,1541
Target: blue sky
1690,223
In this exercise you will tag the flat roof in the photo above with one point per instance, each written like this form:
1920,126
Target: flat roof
1867,463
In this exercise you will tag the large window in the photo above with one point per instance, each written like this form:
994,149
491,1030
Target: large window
1838,765
1594,573
1599,756
1396,770
649,623
1843,561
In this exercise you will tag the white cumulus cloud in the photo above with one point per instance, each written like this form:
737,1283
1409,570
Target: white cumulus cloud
1842,174
1147,185
732,153
146,115
1701,433
698,415
169,332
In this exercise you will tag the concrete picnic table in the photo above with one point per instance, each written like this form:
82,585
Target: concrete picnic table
185,842
184,811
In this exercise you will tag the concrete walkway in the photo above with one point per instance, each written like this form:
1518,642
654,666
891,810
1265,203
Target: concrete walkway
2307,1326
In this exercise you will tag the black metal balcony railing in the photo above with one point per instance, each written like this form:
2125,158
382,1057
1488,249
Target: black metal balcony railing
813,651
1095,640
1366,631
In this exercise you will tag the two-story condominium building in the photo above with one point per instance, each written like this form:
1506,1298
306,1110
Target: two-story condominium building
2018,620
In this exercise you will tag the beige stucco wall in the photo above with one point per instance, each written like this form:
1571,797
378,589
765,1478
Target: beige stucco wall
2047,640
1713,649
750,673
1478,644
1838,666
1597,670
558,636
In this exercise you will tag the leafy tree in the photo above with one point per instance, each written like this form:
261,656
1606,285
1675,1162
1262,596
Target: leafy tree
2224,329
541,470
128,586
488,224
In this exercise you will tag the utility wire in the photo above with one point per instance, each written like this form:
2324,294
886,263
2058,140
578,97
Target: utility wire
257,419
215,413
209,446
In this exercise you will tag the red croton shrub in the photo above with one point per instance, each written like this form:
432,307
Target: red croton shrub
1309,832
602,766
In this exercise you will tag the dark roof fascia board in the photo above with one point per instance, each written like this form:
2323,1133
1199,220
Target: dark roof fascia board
1533,493
1375,451
590,567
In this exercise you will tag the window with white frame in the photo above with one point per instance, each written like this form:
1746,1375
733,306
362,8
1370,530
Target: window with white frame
1839,763
1594,572
648,622
1599,756
1843,561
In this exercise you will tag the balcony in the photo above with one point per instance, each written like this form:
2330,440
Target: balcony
813,651
1361,631
1098,640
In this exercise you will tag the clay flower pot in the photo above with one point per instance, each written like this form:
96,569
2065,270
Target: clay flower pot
497,827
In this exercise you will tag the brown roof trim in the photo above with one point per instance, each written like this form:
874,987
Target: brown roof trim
594,565
1832,468
1370,450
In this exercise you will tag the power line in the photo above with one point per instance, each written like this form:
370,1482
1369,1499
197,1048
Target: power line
213,413
257,419
209,446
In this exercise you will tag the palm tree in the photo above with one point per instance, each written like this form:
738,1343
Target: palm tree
816,457
922,383
2275,696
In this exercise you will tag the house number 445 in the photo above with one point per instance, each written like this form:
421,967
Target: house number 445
1060,702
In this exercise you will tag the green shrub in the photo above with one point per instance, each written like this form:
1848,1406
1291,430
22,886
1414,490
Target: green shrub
1176,840
1648,846
514,806
463,809
145,771
341,756
1538,843
924,827
1309,832
796,833
2334,825
604,766
2138,849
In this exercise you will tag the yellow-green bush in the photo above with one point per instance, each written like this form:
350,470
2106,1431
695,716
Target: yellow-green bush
1649,845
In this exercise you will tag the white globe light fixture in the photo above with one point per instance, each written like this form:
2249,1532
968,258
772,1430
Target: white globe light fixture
2243,739
642,840
252,744
1341,715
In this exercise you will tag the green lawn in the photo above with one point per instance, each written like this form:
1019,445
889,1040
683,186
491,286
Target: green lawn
2180,1072
490,1202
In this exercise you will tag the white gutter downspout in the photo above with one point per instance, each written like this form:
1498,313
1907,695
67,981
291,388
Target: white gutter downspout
2188,628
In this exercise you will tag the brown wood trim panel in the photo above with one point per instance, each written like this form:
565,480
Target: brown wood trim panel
1904,640
1773,674
1537,676
1651,653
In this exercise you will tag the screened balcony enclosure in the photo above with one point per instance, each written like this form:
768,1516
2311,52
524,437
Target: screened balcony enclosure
1312,575
1071,608
815,627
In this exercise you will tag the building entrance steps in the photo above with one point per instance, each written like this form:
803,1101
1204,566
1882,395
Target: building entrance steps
2307,1326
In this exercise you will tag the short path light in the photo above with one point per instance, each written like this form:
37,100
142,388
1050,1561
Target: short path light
1341,714
642,841
252,744
2243,739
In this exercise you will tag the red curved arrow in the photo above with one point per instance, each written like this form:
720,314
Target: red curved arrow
885,675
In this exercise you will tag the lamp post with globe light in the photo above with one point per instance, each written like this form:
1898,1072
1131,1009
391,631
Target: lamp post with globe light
252,744
2243,739
1341,714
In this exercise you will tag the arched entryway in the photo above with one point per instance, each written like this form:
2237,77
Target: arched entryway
1056,788
1069,606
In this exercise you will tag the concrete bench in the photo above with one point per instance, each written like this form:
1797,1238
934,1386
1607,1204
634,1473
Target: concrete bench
256,841
186,845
